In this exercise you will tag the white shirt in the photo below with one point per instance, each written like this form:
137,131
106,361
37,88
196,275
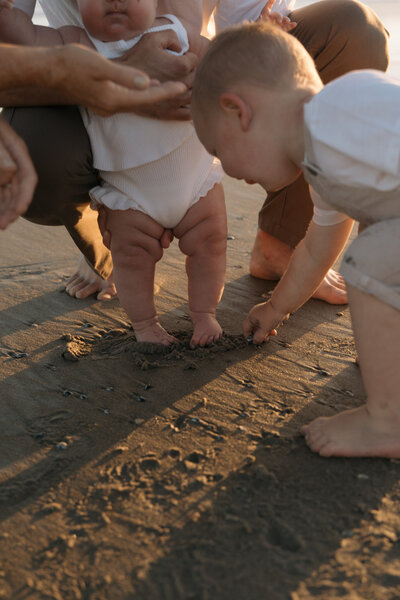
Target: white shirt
196,12
353,139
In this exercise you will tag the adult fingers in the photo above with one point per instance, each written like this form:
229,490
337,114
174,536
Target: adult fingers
114,98
7,166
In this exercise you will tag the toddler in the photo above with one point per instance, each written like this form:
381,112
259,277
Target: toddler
259,105
157,181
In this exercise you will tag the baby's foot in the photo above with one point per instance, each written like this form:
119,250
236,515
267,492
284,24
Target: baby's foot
150,331
206,329
355,433
84,282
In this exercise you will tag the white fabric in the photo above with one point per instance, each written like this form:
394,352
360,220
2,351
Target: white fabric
354,127
124,141
157,167
166,188
355,124
196,12
324,216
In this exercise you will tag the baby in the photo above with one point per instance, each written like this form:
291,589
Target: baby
157,181
260,106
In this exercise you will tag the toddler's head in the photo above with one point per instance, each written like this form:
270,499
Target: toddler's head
245,86
112,20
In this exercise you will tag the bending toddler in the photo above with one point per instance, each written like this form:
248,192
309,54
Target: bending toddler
259,105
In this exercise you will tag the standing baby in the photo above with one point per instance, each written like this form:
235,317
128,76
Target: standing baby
157,180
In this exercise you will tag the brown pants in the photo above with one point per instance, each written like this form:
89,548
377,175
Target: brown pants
341,35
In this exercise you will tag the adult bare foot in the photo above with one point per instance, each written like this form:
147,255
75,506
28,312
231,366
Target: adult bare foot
85,282
151,332
206,329
355,432
270,257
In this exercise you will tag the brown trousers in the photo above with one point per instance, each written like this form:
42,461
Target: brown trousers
341,35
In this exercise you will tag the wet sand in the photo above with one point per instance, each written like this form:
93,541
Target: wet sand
130,475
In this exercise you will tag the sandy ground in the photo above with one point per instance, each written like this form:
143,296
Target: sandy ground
125,475
181,475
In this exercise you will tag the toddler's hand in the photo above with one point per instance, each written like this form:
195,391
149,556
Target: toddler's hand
261,322
276,18
6,4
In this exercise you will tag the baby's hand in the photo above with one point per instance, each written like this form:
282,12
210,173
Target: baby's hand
276,18
261,322
6,4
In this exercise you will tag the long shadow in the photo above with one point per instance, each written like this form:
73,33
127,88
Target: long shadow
251,536
58,390
272,524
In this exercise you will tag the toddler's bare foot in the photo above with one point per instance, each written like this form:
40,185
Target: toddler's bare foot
152,332
84,282
269,260
206,329
355,433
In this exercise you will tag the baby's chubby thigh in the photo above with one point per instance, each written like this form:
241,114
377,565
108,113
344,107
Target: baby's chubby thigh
133,232
204,223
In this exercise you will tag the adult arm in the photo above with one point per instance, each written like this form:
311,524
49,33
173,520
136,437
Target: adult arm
76,75
310,262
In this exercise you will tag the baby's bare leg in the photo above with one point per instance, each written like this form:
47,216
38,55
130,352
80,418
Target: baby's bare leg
372,429
135,249
202,237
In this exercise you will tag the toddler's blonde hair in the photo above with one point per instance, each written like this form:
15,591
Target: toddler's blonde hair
258,54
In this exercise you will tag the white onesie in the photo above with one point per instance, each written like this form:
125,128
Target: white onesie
157,167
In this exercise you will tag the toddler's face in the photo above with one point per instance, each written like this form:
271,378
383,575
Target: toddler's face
112,20
256,155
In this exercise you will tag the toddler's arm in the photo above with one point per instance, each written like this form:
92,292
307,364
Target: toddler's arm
310,262
16,27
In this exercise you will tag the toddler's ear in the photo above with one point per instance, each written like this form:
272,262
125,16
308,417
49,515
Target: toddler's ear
234,106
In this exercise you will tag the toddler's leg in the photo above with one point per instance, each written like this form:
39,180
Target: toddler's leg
372,429
202,237
135,248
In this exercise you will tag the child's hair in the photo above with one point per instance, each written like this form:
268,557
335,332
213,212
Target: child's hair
258,54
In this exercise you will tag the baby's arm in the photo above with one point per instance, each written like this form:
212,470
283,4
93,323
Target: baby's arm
17,28
310,261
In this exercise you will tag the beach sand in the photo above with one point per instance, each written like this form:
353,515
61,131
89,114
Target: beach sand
126,475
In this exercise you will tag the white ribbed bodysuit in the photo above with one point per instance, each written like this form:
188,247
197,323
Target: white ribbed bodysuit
157,167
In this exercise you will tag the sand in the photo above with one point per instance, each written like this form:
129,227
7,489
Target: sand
126,475
180,475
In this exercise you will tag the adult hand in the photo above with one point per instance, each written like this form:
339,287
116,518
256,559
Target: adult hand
276,18
150,55
107,87
17,176
261,322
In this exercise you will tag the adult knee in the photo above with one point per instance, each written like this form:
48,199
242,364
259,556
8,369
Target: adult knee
341,36
364,33
60,149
